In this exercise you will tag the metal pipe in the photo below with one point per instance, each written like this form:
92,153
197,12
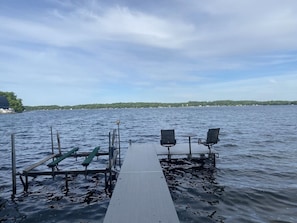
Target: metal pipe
118,123
27,184
59,144
66,183
52,140
109,150
13,162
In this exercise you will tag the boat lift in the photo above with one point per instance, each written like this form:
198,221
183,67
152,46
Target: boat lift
109,171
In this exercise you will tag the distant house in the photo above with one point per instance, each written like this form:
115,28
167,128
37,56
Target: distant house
4,102
4,105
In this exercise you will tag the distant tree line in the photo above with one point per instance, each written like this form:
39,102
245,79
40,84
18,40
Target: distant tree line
157,104
14,102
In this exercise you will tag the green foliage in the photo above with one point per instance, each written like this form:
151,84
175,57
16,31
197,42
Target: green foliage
14,102
17,105
157,104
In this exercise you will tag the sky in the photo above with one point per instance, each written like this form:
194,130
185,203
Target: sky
70,52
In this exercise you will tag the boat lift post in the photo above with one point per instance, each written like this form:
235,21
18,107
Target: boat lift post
119,143
13,161
52,141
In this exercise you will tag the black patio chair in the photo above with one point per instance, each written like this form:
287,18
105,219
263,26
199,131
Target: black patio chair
212,138
168,139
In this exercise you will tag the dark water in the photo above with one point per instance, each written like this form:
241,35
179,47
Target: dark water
255,179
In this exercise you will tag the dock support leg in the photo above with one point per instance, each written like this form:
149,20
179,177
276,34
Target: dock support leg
53,173
169,156
86,172
26,184
105,177
66,183
212,159
110,179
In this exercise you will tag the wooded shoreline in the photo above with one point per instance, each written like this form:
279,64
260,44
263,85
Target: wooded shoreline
159,104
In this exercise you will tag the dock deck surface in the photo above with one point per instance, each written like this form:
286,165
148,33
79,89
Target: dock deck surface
141,193
183,149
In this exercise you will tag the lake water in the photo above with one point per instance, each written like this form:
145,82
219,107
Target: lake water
255,179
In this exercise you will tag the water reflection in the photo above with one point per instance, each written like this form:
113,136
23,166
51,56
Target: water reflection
85,195
194,190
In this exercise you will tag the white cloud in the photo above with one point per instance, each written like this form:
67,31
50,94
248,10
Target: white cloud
182,52
216,28
144,28
82,27
240,27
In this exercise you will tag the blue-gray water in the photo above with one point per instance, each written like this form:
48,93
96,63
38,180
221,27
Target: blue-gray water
255,179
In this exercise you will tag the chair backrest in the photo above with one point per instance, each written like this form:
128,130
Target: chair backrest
213,136
168,137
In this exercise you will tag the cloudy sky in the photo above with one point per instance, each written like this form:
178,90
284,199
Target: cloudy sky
79,52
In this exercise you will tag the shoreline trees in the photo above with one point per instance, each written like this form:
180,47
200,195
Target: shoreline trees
14,102
159,104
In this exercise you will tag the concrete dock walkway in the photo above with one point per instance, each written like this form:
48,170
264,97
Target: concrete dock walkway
141,193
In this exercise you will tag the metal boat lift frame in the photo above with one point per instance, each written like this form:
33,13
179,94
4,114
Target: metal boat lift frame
109,171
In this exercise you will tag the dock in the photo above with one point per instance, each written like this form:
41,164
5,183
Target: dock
141,193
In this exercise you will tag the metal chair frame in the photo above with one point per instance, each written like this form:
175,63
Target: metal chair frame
168,139
211,139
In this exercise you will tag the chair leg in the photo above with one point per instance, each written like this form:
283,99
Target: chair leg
169,156
212,159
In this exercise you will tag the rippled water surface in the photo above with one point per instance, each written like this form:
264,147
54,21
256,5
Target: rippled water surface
255,179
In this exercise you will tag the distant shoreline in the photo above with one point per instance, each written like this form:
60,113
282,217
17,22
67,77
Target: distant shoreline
6,111
160,105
